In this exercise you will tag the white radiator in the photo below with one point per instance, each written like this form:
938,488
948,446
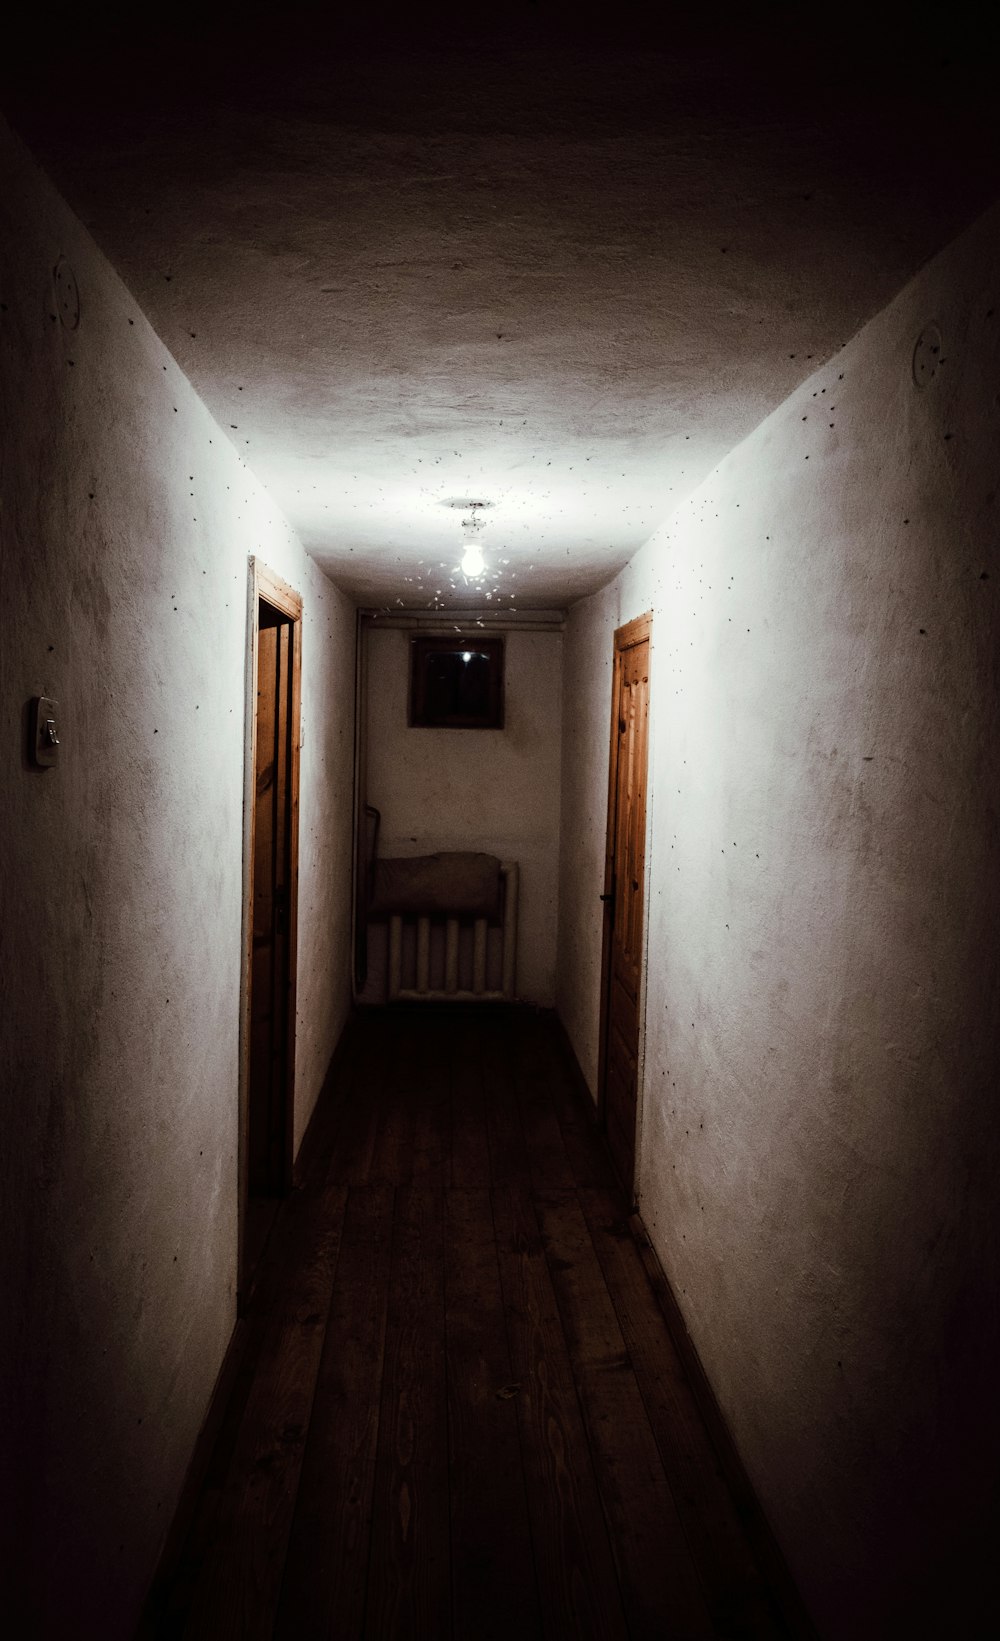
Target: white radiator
430,957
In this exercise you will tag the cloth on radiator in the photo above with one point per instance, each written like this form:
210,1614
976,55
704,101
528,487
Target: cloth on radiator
457,884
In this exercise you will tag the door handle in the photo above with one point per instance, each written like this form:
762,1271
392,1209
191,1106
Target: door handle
609,896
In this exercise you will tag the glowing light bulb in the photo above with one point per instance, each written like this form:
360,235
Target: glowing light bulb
473,563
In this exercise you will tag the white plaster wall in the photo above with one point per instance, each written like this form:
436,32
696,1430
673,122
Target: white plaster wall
819,1139
326,800
489,789
587,670
127,521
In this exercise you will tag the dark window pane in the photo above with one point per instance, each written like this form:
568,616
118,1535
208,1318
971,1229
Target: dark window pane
454,687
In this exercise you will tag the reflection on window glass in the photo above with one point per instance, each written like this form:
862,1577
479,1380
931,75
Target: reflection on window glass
456,687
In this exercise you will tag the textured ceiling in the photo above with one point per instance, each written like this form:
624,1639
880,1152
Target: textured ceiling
560,269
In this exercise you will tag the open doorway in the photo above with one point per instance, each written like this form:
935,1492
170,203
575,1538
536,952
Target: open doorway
624,895
270,909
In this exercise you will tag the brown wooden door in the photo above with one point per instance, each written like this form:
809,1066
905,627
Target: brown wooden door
272,973
623,893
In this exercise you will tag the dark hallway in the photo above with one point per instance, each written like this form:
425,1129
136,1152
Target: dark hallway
458,1411
475,344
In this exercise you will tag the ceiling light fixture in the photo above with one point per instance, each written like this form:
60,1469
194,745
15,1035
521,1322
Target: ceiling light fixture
473,562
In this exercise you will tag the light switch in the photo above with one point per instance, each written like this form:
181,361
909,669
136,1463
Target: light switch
45,732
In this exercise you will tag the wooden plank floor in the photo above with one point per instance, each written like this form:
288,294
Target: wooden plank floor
459,1412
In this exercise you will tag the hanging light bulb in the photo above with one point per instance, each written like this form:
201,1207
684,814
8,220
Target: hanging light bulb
473,562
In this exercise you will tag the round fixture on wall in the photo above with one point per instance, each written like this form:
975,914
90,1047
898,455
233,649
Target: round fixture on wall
66,294
927,357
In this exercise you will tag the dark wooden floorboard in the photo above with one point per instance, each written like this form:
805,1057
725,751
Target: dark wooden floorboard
578,1583
237,1593
470,1146
495,1596
508,1152
326,1571
659,1585
734,1589
458,1412
354,1124
409,1574
572,1106
549,1165
428,1090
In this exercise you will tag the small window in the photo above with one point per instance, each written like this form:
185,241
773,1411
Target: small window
456,683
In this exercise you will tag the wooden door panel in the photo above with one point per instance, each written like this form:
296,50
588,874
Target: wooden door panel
262,905
263,884
621,1009
279,973
269,968
624,879
621,1116
267,1065
630,821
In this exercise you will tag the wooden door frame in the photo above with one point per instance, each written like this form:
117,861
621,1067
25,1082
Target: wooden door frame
262,583
638,631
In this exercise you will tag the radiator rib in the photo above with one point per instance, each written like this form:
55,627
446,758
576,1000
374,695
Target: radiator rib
421,990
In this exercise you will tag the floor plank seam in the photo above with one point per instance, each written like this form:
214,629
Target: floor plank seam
588,1432
519,1412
